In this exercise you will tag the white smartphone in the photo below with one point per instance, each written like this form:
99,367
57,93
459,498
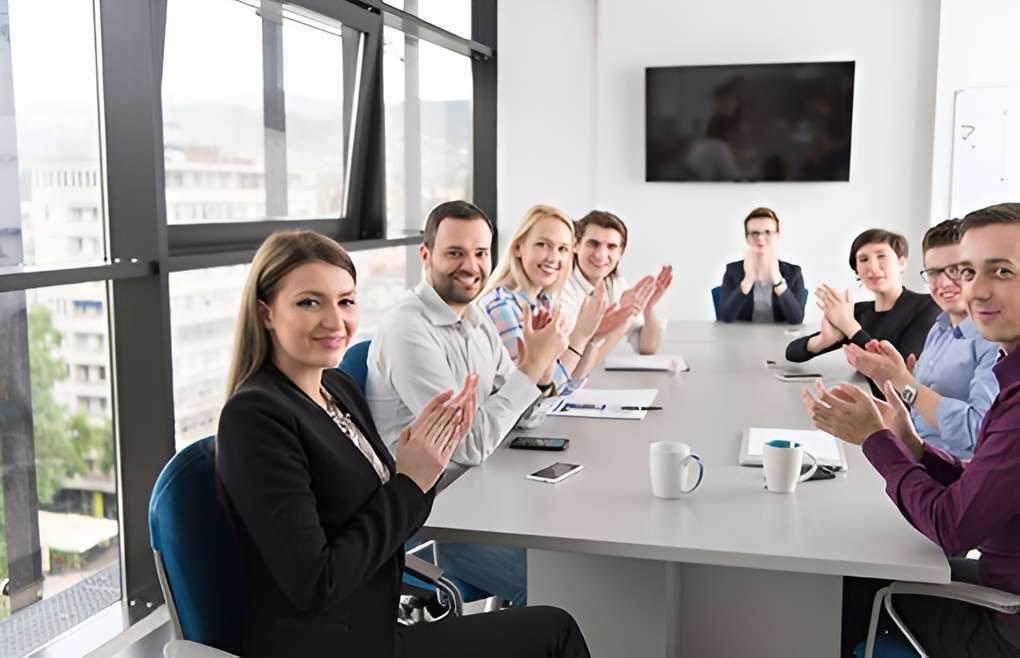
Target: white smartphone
555,473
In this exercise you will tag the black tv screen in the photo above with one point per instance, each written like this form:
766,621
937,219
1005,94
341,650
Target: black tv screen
751,122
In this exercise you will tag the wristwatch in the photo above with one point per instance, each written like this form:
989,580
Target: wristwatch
908,395
782,281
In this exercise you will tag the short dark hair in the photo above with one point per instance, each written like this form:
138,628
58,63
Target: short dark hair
944,234
1001,213
463,210
761,213
603,219
878,236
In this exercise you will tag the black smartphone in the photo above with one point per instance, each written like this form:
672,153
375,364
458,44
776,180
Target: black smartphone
539,443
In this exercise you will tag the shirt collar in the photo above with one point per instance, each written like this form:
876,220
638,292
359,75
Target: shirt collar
581,280
967,329
439,312
1007,370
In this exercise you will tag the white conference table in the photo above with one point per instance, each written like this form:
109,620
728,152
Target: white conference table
730,570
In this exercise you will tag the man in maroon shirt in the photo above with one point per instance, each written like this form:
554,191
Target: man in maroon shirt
959,506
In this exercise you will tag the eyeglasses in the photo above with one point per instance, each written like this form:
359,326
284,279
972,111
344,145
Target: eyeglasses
952,272
754,235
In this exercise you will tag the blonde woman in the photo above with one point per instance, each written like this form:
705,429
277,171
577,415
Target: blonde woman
320,508
534,269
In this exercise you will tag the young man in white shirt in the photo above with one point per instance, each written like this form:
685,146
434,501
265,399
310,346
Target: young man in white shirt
601,241
432,339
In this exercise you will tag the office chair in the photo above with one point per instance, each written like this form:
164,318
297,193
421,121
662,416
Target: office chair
985,597
355,364
198,559
717,297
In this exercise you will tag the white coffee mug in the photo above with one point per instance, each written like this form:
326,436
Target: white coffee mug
782,461
670,465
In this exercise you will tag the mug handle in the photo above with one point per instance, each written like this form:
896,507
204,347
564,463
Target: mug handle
811,471
701,471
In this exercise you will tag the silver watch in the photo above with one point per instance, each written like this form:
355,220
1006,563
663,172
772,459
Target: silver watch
908,395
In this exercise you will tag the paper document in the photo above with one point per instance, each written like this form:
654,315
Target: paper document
605,403
827,449
663,362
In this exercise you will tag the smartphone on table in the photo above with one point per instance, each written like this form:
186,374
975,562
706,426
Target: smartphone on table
539,443
558,472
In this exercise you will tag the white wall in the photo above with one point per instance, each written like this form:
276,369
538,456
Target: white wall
546,92
546,114
979,46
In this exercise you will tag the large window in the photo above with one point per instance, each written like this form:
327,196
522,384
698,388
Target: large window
140,171
253,112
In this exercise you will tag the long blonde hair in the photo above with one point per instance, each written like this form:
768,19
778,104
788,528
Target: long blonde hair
510,272
281,253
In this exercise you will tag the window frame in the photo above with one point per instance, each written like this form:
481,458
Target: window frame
142,249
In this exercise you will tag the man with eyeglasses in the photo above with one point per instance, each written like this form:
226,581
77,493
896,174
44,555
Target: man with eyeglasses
762,288
951,386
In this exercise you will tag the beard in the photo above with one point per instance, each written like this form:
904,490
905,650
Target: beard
452,292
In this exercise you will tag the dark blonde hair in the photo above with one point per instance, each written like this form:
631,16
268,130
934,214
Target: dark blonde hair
280,254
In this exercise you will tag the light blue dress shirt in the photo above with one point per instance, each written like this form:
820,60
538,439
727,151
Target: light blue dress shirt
957,364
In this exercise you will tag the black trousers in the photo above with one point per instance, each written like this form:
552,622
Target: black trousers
945,628
536,632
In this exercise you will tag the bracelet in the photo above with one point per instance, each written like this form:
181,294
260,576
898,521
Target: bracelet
571,348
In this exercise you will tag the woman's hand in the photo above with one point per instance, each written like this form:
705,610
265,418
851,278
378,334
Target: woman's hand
838,309
426,445
844,411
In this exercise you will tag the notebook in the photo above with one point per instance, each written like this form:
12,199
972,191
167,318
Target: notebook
827,449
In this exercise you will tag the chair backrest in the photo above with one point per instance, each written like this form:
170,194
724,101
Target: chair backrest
196,550
355,362
716,296
803,296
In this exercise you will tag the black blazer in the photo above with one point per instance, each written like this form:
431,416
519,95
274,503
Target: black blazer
734,305
322,538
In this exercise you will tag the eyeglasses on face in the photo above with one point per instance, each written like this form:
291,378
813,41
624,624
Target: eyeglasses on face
952,272
754,235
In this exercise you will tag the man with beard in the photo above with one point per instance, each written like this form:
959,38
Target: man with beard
431,340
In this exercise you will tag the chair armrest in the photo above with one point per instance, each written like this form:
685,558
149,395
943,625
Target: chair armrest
985,597
188,649
422,569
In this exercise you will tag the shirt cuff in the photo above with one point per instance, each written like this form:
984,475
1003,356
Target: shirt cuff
885,453
519,389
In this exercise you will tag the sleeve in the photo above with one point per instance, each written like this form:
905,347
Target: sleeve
790,301
421,371
960,420
797,351
958,514
506,316
731,299
266,477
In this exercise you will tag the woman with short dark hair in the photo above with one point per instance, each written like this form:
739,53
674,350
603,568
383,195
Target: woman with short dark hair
898,315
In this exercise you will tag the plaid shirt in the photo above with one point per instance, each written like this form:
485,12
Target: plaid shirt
501,305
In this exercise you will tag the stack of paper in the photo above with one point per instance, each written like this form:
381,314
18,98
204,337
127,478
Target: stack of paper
646,362
605,403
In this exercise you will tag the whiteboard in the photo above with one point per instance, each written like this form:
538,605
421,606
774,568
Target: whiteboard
986,149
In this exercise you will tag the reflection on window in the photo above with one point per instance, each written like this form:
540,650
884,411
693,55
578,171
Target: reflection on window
59,534
382,281
50,196
428,95
233,153
451,15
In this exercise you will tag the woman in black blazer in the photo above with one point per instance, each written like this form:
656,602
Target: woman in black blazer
320,508
898,315
762,288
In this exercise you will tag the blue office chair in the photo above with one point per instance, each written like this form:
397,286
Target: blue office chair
198,560
717,296
355,362
197,556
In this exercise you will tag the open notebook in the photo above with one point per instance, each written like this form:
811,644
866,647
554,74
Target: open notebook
827,449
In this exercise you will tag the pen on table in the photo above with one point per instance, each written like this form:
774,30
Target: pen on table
641,408
571,405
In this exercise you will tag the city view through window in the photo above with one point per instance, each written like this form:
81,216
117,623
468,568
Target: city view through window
218,168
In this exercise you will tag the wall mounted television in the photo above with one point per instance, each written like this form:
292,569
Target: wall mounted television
751,122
